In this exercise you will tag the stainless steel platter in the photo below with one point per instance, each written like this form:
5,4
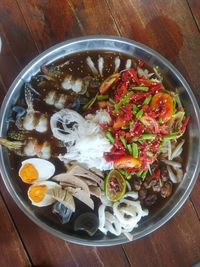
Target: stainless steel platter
132,48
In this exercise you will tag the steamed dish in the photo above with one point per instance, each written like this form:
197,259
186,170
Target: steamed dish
97,138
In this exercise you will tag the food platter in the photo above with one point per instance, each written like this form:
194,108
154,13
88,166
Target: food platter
175,80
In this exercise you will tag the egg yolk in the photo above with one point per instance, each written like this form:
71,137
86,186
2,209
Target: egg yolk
28,173
37,192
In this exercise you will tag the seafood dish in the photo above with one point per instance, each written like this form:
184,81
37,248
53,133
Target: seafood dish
97,139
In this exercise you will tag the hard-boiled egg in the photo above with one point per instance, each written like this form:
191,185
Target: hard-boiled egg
38,195
35,169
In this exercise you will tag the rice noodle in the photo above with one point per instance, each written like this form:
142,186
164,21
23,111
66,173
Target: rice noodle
84,139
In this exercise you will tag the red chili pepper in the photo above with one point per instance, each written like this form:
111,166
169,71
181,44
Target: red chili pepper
114,156
138,96
104,126
156,87
148,83
157,173
183,127
137,129
130,74
140,63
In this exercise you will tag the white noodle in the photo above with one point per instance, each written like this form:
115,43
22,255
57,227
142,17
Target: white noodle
85,140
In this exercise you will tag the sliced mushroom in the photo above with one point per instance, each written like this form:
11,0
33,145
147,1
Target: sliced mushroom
97,172
72,180
63,196
79,171
95,191
83,197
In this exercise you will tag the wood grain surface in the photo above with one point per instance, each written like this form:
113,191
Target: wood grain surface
29,27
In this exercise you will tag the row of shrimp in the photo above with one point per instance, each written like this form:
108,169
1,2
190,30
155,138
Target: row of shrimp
28,120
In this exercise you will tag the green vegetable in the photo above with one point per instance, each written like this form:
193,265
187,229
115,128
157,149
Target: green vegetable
123,101
110,137
147,100
149,154
139,173
129,149
170,136
139,114
147,137
134,109
123,140
140,88
102,97
143,175
135,150
125,173
90,103
131,123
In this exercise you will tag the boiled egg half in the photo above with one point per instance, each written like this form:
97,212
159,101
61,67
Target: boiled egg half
38,195
35,169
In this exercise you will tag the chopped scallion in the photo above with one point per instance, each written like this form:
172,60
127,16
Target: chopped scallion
147,137
129,149
170,136
90,103
147,100
123,101
135,150
139,114
123,140
102,97
134,109
143,175
140,88
149,154
110,137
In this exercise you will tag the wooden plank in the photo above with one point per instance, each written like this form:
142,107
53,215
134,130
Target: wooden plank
195,8
51,22
99,256
195,197
18,48
56,251
11,247
44,249
17,33
174,244
153,23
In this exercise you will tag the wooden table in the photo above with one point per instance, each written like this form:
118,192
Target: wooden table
170,27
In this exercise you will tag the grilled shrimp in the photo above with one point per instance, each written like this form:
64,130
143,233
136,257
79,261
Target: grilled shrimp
29,148
33,120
